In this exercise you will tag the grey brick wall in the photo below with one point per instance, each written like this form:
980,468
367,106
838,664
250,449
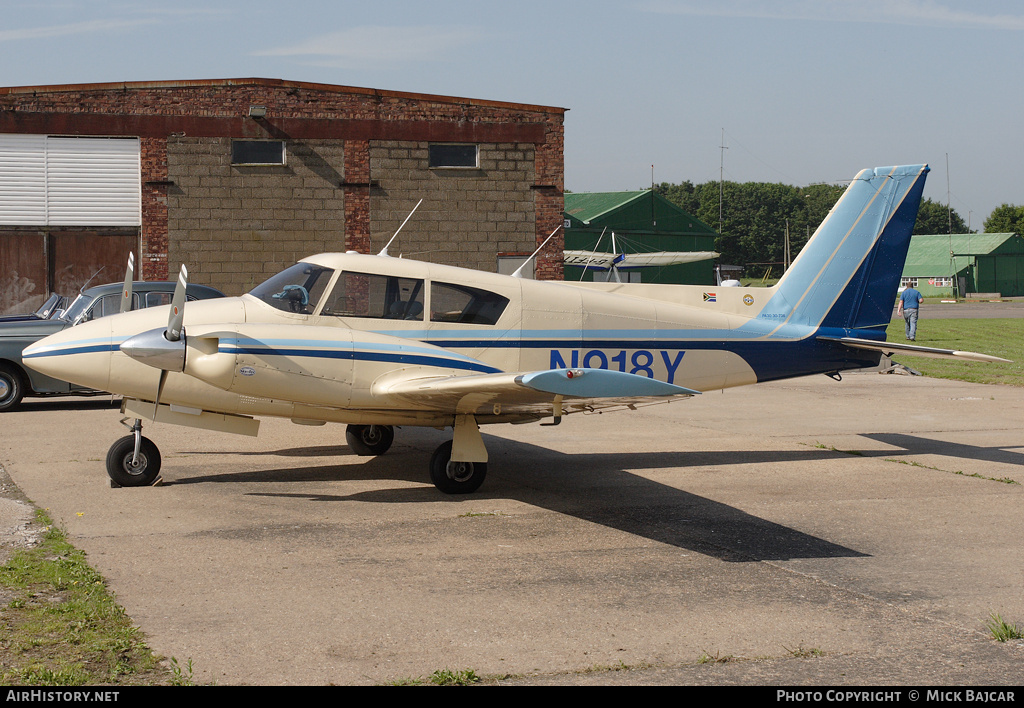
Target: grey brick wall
467,215
234,226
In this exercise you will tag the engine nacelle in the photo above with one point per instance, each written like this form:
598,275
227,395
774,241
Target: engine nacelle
282,362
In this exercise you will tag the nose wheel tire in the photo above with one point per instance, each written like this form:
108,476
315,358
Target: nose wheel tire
129,471
455,477
369,440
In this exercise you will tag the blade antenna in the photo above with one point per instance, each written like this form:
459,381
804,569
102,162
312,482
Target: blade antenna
593,253
519,270
384,251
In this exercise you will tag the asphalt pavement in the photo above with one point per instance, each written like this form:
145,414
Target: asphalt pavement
809,532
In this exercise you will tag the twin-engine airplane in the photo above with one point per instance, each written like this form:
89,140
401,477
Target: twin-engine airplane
378,342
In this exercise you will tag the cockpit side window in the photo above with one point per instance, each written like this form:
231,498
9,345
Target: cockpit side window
372,295
461,303
296,289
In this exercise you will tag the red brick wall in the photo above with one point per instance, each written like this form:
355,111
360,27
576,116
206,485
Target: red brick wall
357,195
152,260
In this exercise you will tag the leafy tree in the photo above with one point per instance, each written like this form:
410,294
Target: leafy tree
756,215
935,218
1006,219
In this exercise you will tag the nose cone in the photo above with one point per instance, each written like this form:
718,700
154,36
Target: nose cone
80,355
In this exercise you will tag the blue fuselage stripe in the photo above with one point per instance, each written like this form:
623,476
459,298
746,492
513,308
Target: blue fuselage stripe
360,355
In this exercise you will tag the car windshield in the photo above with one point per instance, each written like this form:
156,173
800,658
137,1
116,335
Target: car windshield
297,289
48,307
76,308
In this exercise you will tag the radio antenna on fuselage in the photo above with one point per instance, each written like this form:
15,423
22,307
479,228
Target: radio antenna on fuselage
384,251
519,270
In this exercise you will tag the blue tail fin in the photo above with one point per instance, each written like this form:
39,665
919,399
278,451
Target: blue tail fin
847,275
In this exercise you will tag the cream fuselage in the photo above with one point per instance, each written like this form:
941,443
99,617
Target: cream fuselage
246,357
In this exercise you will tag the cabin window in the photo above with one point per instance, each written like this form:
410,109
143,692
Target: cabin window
908,283
370,295
257,152
461,303
296,289
449,155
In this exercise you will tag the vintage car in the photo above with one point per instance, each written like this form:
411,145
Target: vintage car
54,305
18,381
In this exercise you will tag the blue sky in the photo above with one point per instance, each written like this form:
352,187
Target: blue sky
798,91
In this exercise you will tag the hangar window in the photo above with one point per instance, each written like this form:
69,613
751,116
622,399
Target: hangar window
461,303
386,297
449,155
257,152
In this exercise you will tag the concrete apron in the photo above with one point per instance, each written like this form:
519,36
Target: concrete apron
758,524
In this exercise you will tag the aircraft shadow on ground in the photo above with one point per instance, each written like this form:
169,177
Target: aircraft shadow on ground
594,487
916,445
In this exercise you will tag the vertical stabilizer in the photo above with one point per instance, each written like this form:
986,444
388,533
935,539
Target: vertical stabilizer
847,275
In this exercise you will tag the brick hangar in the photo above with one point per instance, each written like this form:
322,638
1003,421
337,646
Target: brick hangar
238,178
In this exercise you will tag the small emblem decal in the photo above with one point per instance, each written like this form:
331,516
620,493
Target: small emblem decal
247,371
748,299
710,297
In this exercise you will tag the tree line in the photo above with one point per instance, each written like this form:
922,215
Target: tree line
753,218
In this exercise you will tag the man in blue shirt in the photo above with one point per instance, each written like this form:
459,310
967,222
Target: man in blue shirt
910,302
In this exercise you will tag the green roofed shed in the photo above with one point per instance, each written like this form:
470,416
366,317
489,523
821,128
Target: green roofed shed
642,222
965,264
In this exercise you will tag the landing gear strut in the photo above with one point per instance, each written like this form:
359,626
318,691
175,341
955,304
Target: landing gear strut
133,461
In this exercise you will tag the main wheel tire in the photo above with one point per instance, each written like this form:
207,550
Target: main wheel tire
455,477
12,388
369,440
141,474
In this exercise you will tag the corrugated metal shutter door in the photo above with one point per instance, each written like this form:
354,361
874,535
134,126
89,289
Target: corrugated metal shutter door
93,181
23,180
69,181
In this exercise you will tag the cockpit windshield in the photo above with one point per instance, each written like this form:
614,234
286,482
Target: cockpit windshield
296,289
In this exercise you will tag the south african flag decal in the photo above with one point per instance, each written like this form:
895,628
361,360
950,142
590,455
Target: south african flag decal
709,297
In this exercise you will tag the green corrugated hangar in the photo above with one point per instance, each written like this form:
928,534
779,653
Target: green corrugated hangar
642,222
962,265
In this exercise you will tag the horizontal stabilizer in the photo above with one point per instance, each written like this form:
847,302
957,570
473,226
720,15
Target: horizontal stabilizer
890,348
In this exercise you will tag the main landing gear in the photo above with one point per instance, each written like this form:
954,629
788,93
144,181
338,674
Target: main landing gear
456,467
370,440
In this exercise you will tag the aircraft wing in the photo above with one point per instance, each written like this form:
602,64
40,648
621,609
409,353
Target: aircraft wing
890,348
529,393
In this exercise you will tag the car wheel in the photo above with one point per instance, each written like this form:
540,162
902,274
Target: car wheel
12,387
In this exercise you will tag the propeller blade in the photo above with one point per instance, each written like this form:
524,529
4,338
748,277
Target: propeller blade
126,291
159,391
174,322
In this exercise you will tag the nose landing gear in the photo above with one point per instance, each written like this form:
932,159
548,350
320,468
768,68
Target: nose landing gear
133,461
